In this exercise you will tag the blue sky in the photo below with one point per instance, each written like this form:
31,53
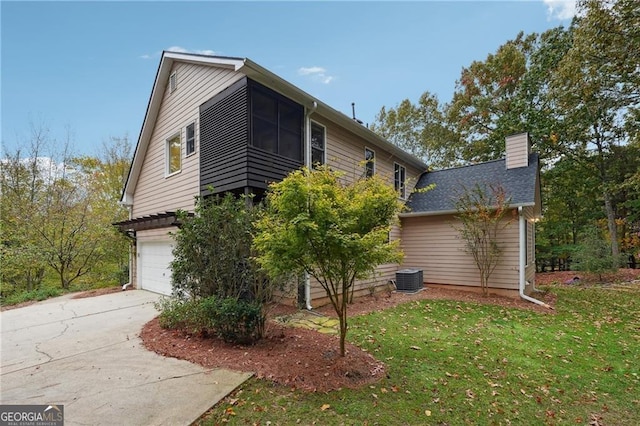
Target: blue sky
87,68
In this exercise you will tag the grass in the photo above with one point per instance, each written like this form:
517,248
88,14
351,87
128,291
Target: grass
50,287
453,363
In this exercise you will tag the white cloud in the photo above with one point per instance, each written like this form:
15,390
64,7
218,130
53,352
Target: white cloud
317,74
560,9
311,70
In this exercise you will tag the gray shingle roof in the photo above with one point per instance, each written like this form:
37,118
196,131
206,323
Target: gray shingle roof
519,184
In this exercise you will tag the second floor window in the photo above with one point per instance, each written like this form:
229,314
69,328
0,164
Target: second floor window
173,153
369,162
191,138
399,178
317,145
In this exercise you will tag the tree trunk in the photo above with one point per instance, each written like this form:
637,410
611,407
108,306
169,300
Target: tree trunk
343,331
342,315
611,223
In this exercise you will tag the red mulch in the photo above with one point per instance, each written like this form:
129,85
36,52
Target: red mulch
97,292
295,357
620,276
305,359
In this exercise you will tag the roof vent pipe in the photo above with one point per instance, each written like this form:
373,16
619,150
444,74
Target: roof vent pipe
353,113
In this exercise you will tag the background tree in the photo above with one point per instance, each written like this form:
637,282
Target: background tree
70,240
420,129
57,212
481,212
21,185
570,200
506,93
335,232
105,176
483,107
596,88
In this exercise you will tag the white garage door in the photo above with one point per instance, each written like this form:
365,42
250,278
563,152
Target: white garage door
153,261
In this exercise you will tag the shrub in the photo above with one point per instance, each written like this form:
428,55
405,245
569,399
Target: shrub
212,256
593,255
233,320
186,315
236,320
39,294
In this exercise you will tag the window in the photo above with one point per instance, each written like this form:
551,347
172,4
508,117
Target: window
173,152
529,242
370,162
276,123
317,144
173,82
399,179
191,138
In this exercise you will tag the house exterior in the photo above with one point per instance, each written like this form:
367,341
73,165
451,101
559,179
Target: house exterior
231,125
222,124
431,242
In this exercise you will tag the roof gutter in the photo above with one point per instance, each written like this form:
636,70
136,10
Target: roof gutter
523,261
445,212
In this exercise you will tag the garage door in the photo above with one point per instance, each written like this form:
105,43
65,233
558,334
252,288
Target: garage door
153,261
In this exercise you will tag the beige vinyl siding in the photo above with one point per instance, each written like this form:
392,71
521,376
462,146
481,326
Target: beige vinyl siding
431,244
345,152
156,193
517,150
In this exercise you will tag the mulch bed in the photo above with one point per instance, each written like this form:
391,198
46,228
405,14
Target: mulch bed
305,359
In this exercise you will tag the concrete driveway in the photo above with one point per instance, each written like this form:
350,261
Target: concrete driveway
86,355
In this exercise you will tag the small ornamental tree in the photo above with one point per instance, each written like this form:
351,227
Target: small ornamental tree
481,216
335,232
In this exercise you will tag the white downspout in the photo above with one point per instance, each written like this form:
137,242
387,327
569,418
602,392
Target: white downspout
523,260
124,287
307,163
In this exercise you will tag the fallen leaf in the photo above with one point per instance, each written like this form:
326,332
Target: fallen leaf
415,348
427,412
470,394
325,407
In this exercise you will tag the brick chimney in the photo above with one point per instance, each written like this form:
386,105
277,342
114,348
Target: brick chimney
517,150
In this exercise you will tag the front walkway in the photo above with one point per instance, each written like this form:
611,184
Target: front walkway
311,321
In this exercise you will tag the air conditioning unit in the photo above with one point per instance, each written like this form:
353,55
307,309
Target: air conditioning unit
409,280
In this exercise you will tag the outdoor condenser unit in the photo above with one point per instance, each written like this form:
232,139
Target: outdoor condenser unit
409,280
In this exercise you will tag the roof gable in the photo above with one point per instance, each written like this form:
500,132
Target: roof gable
521,185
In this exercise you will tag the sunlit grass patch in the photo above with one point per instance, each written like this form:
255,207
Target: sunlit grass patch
455,363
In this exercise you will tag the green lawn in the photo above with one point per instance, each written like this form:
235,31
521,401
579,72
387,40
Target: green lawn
477,364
